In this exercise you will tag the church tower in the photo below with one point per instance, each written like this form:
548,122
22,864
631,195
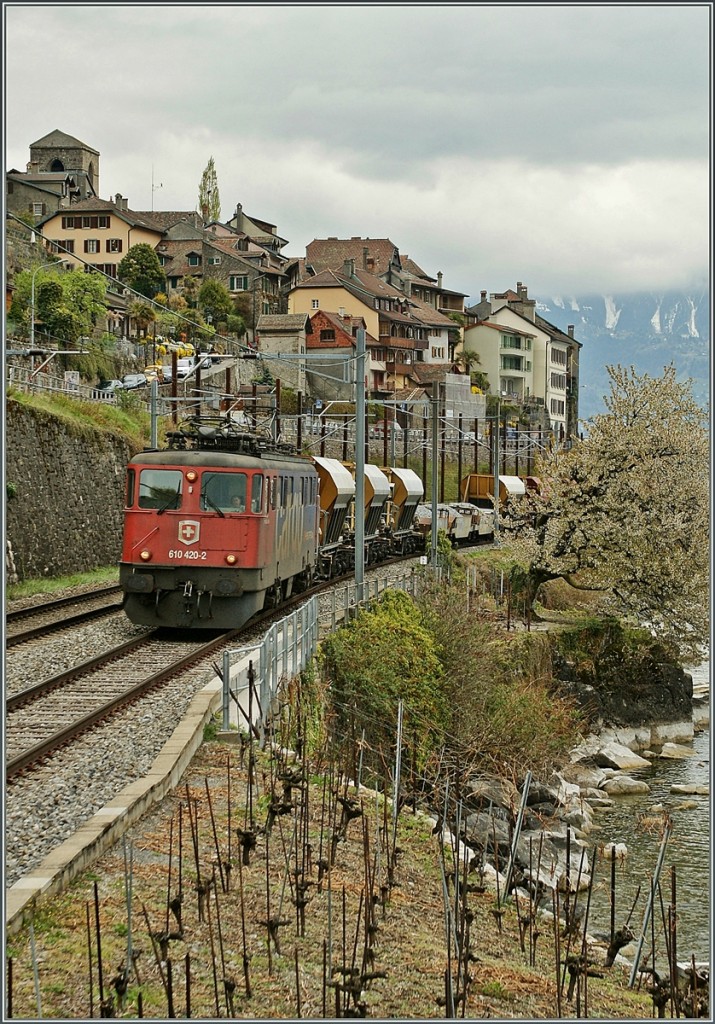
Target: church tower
59,152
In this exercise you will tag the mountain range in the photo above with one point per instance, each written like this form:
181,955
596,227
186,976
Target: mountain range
645,330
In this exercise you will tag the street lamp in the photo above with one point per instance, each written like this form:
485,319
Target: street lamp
43,266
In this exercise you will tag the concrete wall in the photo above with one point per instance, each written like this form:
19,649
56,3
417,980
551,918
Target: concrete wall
65,513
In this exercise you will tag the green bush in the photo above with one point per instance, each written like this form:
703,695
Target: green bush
383,656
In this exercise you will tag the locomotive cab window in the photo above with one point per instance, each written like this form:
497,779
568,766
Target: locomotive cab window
160,489
223,492
131,483
257,493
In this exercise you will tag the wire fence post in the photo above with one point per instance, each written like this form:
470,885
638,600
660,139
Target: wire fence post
226,691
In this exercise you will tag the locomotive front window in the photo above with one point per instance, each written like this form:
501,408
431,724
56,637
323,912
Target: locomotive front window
160,489
223,492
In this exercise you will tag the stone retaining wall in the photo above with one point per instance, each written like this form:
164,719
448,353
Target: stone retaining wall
65,494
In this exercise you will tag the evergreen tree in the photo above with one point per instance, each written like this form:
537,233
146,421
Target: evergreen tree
209,199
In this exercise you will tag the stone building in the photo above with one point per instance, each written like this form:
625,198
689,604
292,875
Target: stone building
61,171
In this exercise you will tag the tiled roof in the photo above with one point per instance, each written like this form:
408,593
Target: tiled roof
331,253
409,394
39,177
429,315
429,373
162,220
282,322
94,205
556,333
412,268
228,245
58,138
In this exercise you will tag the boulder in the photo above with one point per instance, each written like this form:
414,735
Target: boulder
583,775
676,751
497,792
690,789
616,755
624,785
596,798
540,794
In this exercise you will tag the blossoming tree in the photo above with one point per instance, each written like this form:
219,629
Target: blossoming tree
626,511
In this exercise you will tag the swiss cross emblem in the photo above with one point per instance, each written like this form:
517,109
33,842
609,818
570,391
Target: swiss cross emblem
189,531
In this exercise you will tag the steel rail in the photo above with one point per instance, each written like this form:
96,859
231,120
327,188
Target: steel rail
60,602
14,639
41,750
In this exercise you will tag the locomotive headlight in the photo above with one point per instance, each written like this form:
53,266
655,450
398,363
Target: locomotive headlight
145,555
231,559
192,475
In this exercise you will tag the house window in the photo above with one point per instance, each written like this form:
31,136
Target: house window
63,245
114,245
327,335
110,269
238,284
558,380
558,356
557,407
68,222
91,245
194,260
38,209
511,342
214,261
103,222
315,303
511,362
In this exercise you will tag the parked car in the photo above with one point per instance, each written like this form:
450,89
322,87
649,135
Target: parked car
184,368
134,380
110,386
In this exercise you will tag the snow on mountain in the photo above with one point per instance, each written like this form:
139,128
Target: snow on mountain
645,330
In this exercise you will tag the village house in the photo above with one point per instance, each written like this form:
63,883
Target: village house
401,333
284,336
529,363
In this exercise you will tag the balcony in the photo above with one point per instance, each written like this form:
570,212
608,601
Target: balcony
398,366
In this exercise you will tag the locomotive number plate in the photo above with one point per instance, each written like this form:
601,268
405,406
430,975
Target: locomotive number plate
189,555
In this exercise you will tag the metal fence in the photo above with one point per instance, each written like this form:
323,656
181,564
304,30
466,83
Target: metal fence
252,675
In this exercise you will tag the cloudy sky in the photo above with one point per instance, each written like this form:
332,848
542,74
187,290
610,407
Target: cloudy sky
565,146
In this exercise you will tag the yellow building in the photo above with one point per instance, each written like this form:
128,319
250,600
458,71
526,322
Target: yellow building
97,232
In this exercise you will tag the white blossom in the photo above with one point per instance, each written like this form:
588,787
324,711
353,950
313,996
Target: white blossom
627,510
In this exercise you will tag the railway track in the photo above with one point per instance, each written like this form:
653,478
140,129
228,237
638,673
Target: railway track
49,715
62,613
42,718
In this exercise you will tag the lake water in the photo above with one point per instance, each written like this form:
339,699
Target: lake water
688,849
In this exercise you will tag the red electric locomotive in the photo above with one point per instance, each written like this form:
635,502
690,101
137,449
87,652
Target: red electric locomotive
217,527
